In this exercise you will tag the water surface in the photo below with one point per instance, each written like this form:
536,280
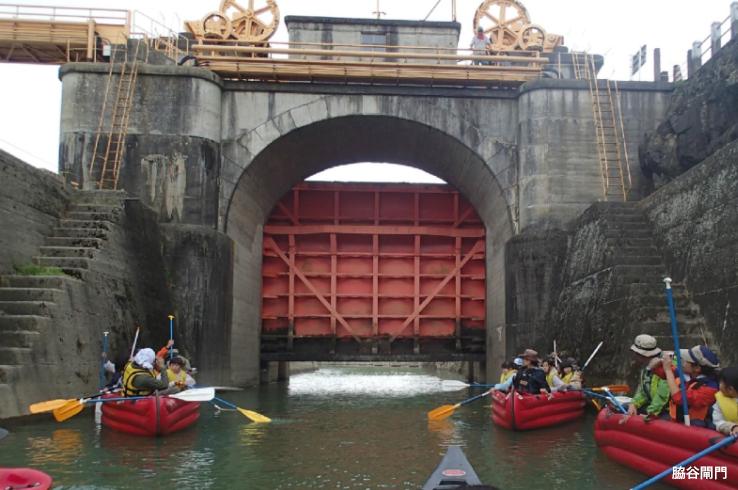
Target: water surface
336,428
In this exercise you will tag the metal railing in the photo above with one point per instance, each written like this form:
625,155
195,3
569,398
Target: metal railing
65,14
315,62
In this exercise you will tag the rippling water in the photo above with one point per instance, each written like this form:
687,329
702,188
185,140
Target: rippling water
336,428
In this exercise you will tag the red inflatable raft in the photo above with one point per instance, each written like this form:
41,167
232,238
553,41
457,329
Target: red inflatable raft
522,411
650,448
153,416
24,478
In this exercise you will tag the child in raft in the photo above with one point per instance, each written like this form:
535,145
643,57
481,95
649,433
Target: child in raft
725,409
699,365
509,371
571,374
552,375
177,376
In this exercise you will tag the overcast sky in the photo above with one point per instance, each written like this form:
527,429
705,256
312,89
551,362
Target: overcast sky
31,95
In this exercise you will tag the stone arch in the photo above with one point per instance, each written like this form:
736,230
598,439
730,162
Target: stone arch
281,153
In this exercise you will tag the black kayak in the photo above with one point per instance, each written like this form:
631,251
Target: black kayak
453,471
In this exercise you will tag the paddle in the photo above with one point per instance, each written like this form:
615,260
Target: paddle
73,407
3,433
683,385
135,341
593,354
171,336
617,403
670,471
104,358
256,417
446,411
454,385
614,388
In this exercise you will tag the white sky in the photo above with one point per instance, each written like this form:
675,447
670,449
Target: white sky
30,96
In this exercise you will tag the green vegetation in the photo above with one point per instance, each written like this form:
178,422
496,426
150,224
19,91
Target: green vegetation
37,270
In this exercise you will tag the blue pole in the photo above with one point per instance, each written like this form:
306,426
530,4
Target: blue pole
622,409
171,336
686,462
102,369
683,385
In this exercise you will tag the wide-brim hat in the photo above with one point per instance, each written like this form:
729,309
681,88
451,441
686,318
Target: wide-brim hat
645,345
529,354
700,355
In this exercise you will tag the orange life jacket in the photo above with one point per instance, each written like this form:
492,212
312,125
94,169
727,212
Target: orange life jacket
700,413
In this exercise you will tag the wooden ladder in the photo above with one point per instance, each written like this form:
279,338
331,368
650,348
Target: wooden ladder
612,149
112,158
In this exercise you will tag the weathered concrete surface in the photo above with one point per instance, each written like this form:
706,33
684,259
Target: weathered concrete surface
31,203
409,33
534,269
51,327
613,291
198,270
695,223
702,118
526,160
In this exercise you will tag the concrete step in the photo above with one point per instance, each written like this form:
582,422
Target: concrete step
628,234
663,328
99,197
625,259
15,356
92,216
681,301
617,225
85,224
68,252
30,294
662,314
21,338
627,242
80,233
635,218
96,208
74,242
658,290
41,282
9,374
639,251
27,323
644,274
75,273
34,308
64,262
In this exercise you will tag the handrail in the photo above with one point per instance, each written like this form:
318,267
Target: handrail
20,11
365,54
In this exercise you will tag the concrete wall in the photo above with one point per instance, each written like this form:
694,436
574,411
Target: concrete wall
122,287
559,172
695,223
526,160
31,203
331,30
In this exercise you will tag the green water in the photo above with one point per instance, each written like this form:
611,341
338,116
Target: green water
336,428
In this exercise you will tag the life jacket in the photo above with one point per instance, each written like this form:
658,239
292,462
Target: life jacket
550,377
702,413
129,374
567,377
504,377
728,406
177,378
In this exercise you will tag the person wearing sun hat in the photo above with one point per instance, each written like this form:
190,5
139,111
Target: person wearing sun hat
700,371
531,378
652,395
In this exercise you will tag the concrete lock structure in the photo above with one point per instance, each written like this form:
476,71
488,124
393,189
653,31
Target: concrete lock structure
214,157
181,191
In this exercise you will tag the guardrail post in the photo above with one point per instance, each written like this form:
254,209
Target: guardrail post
656,64
695,59
716,34
734,20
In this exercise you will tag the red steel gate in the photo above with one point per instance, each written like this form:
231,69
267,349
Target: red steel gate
367,271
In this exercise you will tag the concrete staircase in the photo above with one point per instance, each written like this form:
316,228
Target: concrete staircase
28,303
638,270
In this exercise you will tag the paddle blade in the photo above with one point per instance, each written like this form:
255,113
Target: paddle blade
453,385
3,433
256,417
443,412
48,406
68,410
195,395
614,388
